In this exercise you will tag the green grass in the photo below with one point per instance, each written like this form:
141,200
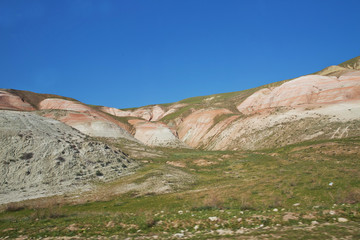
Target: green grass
223,100
352,63
246,185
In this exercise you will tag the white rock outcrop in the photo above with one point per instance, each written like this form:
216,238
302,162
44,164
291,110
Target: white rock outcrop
42,157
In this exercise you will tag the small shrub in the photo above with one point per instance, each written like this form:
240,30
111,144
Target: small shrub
202,208
14,207
98,173
150,222
276,202
213,201
245,204
48,208
351,197
48,213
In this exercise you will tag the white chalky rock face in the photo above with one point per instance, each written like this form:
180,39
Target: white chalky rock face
155,134
149,113
153,113
43,157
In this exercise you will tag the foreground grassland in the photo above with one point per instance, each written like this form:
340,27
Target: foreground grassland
305,191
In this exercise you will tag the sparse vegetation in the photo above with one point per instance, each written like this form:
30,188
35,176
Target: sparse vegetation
282,192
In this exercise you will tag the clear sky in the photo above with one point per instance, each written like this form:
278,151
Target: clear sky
140,52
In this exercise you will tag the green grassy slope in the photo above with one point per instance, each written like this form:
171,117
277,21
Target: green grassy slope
283,192
353,63
221,100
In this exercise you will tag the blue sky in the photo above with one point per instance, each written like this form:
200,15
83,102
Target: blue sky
140,52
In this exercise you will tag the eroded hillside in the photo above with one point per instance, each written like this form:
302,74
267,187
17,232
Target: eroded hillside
323,105
319,106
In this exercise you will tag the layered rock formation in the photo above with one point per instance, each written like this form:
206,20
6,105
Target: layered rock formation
309,107
86,119
149,113
195,126
152,113
308,90
12,102
42,157
320,106
155,134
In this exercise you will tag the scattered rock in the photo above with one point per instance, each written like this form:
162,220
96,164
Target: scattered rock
309,216
314,223
179,235
72,227
290,216
213,219
342,220
240,231
225,231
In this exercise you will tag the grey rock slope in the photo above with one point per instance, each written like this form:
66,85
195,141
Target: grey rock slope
43,157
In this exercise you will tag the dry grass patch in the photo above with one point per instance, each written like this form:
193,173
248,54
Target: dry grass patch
203,162
176,164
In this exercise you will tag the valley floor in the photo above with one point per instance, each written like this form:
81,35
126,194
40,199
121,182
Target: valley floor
304,191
